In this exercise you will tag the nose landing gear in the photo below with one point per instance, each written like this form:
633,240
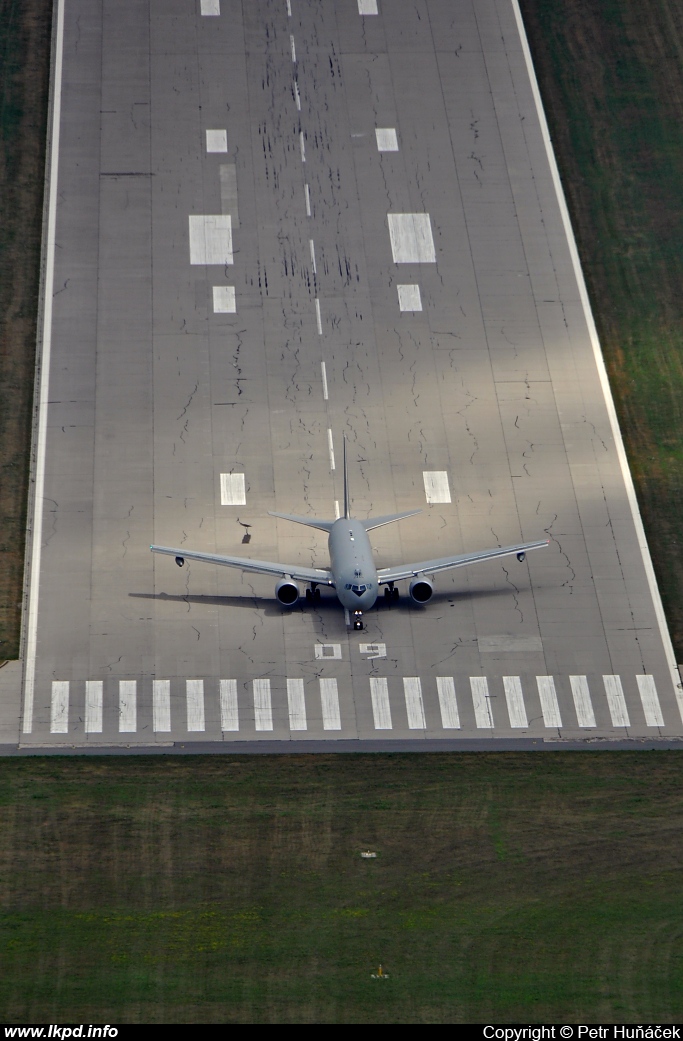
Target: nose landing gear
357,619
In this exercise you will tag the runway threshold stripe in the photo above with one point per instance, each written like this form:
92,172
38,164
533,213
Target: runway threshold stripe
450,720
161,706
194,692
263,709
381,709
128,708
548,697
366,7
616,701
482,702
210,7
412,689
93,706
329,700
296,703
515,702
59,708
650,701
229,708
582,701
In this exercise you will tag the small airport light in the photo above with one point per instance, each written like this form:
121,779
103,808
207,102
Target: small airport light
379,975
368,854
180,561
521,557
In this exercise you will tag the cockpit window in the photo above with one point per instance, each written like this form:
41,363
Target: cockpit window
359,590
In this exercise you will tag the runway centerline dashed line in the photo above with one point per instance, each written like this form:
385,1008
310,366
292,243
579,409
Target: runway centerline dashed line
291,40
330,445
308,200
302,145
323,369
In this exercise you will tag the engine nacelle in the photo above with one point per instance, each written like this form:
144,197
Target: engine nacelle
287,592
421,590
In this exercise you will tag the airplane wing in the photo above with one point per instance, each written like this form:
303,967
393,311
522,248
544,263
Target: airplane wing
395,574
259,567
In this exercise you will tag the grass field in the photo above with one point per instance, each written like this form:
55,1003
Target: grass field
506,888
611,77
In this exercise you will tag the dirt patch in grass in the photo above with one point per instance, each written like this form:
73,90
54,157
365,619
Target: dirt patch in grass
611,77
25,27
526,888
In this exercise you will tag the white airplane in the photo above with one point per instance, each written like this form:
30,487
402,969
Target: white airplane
352,572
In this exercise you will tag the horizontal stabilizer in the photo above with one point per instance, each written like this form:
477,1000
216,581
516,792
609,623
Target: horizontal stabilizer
376,522
310,522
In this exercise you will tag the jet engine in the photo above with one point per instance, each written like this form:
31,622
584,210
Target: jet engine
287,592
421,590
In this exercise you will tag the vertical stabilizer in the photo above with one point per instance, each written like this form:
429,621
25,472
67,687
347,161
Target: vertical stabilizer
346,484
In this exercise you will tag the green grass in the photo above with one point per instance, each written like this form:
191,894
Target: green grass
611,77
506,888
24,73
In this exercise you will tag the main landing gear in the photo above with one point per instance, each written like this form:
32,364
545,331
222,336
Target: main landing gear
312,595
390,593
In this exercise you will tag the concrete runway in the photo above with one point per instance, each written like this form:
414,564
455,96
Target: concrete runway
247,340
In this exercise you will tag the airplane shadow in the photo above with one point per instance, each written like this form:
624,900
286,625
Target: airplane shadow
328,601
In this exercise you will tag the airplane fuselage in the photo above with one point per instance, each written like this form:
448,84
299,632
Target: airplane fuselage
352,564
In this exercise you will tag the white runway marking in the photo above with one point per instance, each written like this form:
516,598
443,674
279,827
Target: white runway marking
651,706
93,706
59,709
224,300
297,96
616,701
210,7
450,719
549,705
387,141
436,486
337,514
318,317
302,144
289,8
229,710
263,710
381,709
161,706
297,705
216,140
330,446
373,650
232,490
211,239
582,701
328,650
411,238
323,369
194,690
600,363
312,248
409,298
128,708
412,689
291,40
329,700
367,7
515,700
44,391
482,702
308,200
